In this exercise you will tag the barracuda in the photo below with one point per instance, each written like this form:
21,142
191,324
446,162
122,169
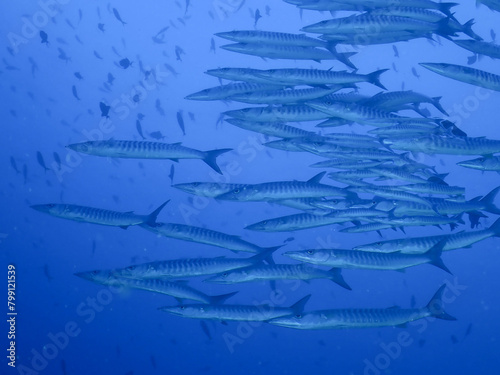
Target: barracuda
419,245
431,188
364,318
148,150
389,100
465,74
238,74
434,144
244,313
207,189
357,259
273,51
294,113
206,236
188,267
278,272
100,216
480,47
270,191
318,77
296,96
273,129
225,91
488,163
173,289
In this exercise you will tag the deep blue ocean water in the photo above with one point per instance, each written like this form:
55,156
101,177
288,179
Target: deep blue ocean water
124,333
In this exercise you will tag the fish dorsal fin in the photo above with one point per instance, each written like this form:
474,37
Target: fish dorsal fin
298,307
316,179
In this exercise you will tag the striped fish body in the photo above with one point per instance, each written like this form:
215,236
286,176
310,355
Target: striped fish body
424,4
270,272
393,193
283,190
406,130
270,37
296,96
370,227
407,221
367,38
273,129
137,150
356,259
273,51
238,74
480,47
432,188
205,236
434,144
397,98
225,312
295,113
465,74
345,164
225,91
92,215
492,4
397,173
351,318
182,268
207,189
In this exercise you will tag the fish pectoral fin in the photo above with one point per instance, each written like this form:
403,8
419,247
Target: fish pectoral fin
402,325
176,160
124,226
223,322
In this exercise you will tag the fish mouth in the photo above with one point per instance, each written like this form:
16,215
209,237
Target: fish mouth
215,280
39,207
174,310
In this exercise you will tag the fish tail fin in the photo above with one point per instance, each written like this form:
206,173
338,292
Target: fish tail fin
434,254
343,57
374,78
215,300
151,219
436,103
337,278
298,307
435,305
467,29
495,227
488,201
211,158
266,254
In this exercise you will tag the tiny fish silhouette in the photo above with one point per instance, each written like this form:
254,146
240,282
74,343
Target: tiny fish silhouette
180,121
44,37
118,17
125,63
104,109
75,93
139,128
39,158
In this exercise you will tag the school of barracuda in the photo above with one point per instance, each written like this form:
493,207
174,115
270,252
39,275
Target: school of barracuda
375,183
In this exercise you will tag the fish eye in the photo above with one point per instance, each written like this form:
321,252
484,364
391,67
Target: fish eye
236,191
195,184
379,243
130,268
94,273
51,205
245,110
182,307
298,316
310,252
224,274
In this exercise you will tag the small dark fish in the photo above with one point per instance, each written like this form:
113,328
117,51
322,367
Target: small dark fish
14,164
44,37
104,109
139,128
257,17
116,51
394,67
141,116
75,93
78,75
156,135
469,328
171,174
96,54
63,366
415,73
11,51
205,329
125,63
396,52
493,35
39,158
454,339
136,98
160,35
100,26
268,10
111,78
117,16
289,239
180,121
212,45
47,273
57,159
171,69
70,24
34,66
62,55
159,108
78,39
153,362
191,116
187,6
25,173
80,15
179,52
